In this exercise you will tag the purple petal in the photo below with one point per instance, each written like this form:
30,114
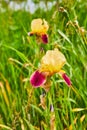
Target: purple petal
44,38
67,79
51,108
37,79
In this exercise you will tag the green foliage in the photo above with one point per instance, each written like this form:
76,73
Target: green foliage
20,55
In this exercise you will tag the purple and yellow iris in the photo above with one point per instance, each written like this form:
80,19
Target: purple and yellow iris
51,63
39,27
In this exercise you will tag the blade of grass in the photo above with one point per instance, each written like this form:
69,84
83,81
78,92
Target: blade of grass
64,36
21,55
78,109
4,126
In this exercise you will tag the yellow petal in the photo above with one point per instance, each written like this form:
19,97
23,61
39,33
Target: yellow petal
39,26
52,62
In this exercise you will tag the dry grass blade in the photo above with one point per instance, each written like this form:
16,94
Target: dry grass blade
6,82
22,124
78,109
4,94
82,118
52,122
8,87
74,122
5,127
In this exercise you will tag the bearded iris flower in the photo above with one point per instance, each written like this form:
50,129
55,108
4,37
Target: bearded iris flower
39,27
51,63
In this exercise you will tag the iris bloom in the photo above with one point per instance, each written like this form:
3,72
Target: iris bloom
51,63
39,27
